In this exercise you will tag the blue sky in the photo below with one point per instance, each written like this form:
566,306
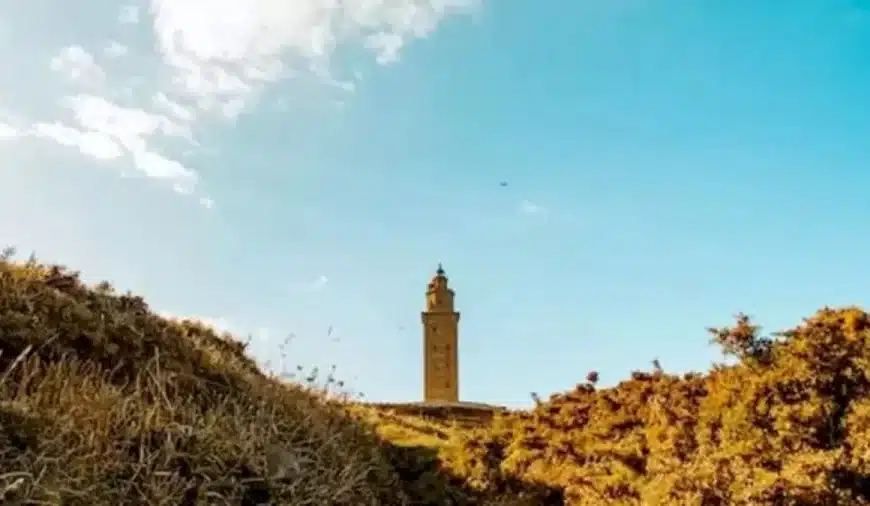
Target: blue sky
285,169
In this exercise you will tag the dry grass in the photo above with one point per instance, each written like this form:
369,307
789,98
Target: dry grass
102,402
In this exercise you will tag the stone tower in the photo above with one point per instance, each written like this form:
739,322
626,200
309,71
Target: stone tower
440,342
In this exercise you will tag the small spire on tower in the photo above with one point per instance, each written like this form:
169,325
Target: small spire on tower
440,270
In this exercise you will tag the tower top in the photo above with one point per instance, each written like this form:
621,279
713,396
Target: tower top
439,296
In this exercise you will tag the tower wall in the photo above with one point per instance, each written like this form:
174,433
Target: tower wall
440,343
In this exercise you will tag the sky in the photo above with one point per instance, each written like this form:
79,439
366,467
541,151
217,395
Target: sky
293,172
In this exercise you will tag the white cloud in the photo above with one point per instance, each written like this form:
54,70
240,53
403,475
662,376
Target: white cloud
8,131
224,50
386,45
79,66
214,57
94,144
320,282
129,15
130,124
104,130
115,49
179,111
158,166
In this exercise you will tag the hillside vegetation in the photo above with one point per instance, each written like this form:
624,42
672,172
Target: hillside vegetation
104,403
787,424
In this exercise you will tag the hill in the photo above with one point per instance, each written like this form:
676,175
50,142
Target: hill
103,402
788,423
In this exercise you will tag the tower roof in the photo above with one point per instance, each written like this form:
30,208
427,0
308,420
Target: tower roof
439,280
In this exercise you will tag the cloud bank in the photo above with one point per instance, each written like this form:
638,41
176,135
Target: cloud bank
210,61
